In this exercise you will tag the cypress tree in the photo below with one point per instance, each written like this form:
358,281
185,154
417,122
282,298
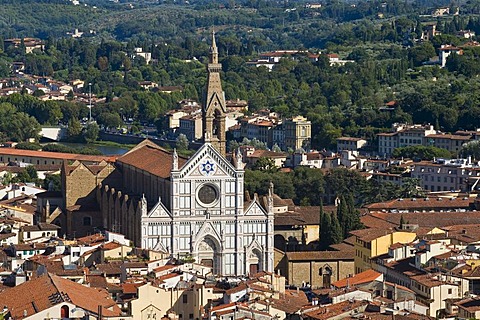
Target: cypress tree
325,237
336,235
342,215
352,221
320,221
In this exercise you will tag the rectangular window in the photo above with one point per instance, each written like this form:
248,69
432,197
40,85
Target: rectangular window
184,202
185,298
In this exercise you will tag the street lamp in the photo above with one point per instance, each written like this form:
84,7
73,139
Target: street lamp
90,100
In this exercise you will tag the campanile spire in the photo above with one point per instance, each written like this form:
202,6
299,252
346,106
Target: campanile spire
214,107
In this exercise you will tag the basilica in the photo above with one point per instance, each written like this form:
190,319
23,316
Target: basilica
192,208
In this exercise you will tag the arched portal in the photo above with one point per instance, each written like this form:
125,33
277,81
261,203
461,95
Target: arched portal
254,261
209,254
327,276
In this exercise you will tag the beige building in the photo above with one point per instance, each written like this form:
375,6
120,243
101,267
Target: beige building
447,174
317,268
370,243
191,126
350,143
298,132
451,142
403,135
34,157
433,289
185,300
469,308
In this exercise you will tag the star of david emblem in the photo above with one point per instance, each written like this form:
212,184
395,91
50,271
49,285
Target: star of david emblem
207,168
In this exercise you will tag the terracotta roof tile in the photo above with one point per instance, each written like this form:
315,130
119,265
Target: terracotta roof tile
431,219
55,155
333,310
422,204
152,159
362,277
45,291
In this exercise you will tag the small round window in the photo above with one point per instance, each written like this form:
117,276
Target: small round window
207,194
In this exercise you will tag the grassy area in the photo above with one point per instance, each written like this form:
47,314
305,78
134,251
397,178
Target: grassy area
113,144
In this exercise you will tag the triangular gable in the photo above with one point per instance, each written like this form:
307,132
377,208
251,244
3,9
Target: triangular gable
144,143
208,229
255,209
159,247
205,153
254,245
215,98
159,210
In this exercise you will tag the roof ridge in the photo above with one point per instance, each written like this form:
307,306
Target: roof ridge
146,142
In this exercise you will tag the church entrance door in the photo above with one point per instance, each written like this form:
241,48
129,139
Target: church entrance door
208,254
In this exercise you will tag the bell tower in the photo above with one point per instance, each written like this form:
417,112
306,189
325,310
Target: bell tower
214,107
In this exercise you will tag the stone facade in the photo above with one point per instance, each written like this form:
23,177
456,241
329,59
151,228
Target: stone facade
214,108
80,214
318,269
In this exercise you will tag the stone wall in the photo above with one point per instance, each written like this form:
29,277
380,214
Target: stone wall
120,212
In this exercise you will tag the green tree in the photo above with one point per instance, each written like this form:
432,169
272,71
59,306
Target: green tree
265,164
343,215
326,231
109,120
421,53
421,152
52,182
471,149
91,132
182,142
74,128
309,185
336,230
321,231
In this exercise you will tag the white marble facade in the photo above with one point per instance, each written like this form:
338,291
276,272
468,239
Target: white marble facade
209,220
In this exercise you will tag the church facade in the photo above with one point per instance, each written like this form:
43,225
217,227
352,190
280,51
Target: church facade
192,208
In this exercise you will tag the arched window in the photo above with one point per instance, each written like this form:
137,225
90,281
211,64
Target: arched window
87,221
64,312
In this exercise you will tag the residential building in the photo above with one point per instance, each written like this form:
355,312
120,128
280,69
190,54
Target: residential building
451,142
145,55
350,143
50,296
433,289
8,155
370,243
251,156
403,135
445,51
467,34
447,174
298,132
191,126
29,43
468,308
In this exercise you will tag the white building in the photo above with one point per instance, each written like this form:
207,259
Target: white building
403,135
447,174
